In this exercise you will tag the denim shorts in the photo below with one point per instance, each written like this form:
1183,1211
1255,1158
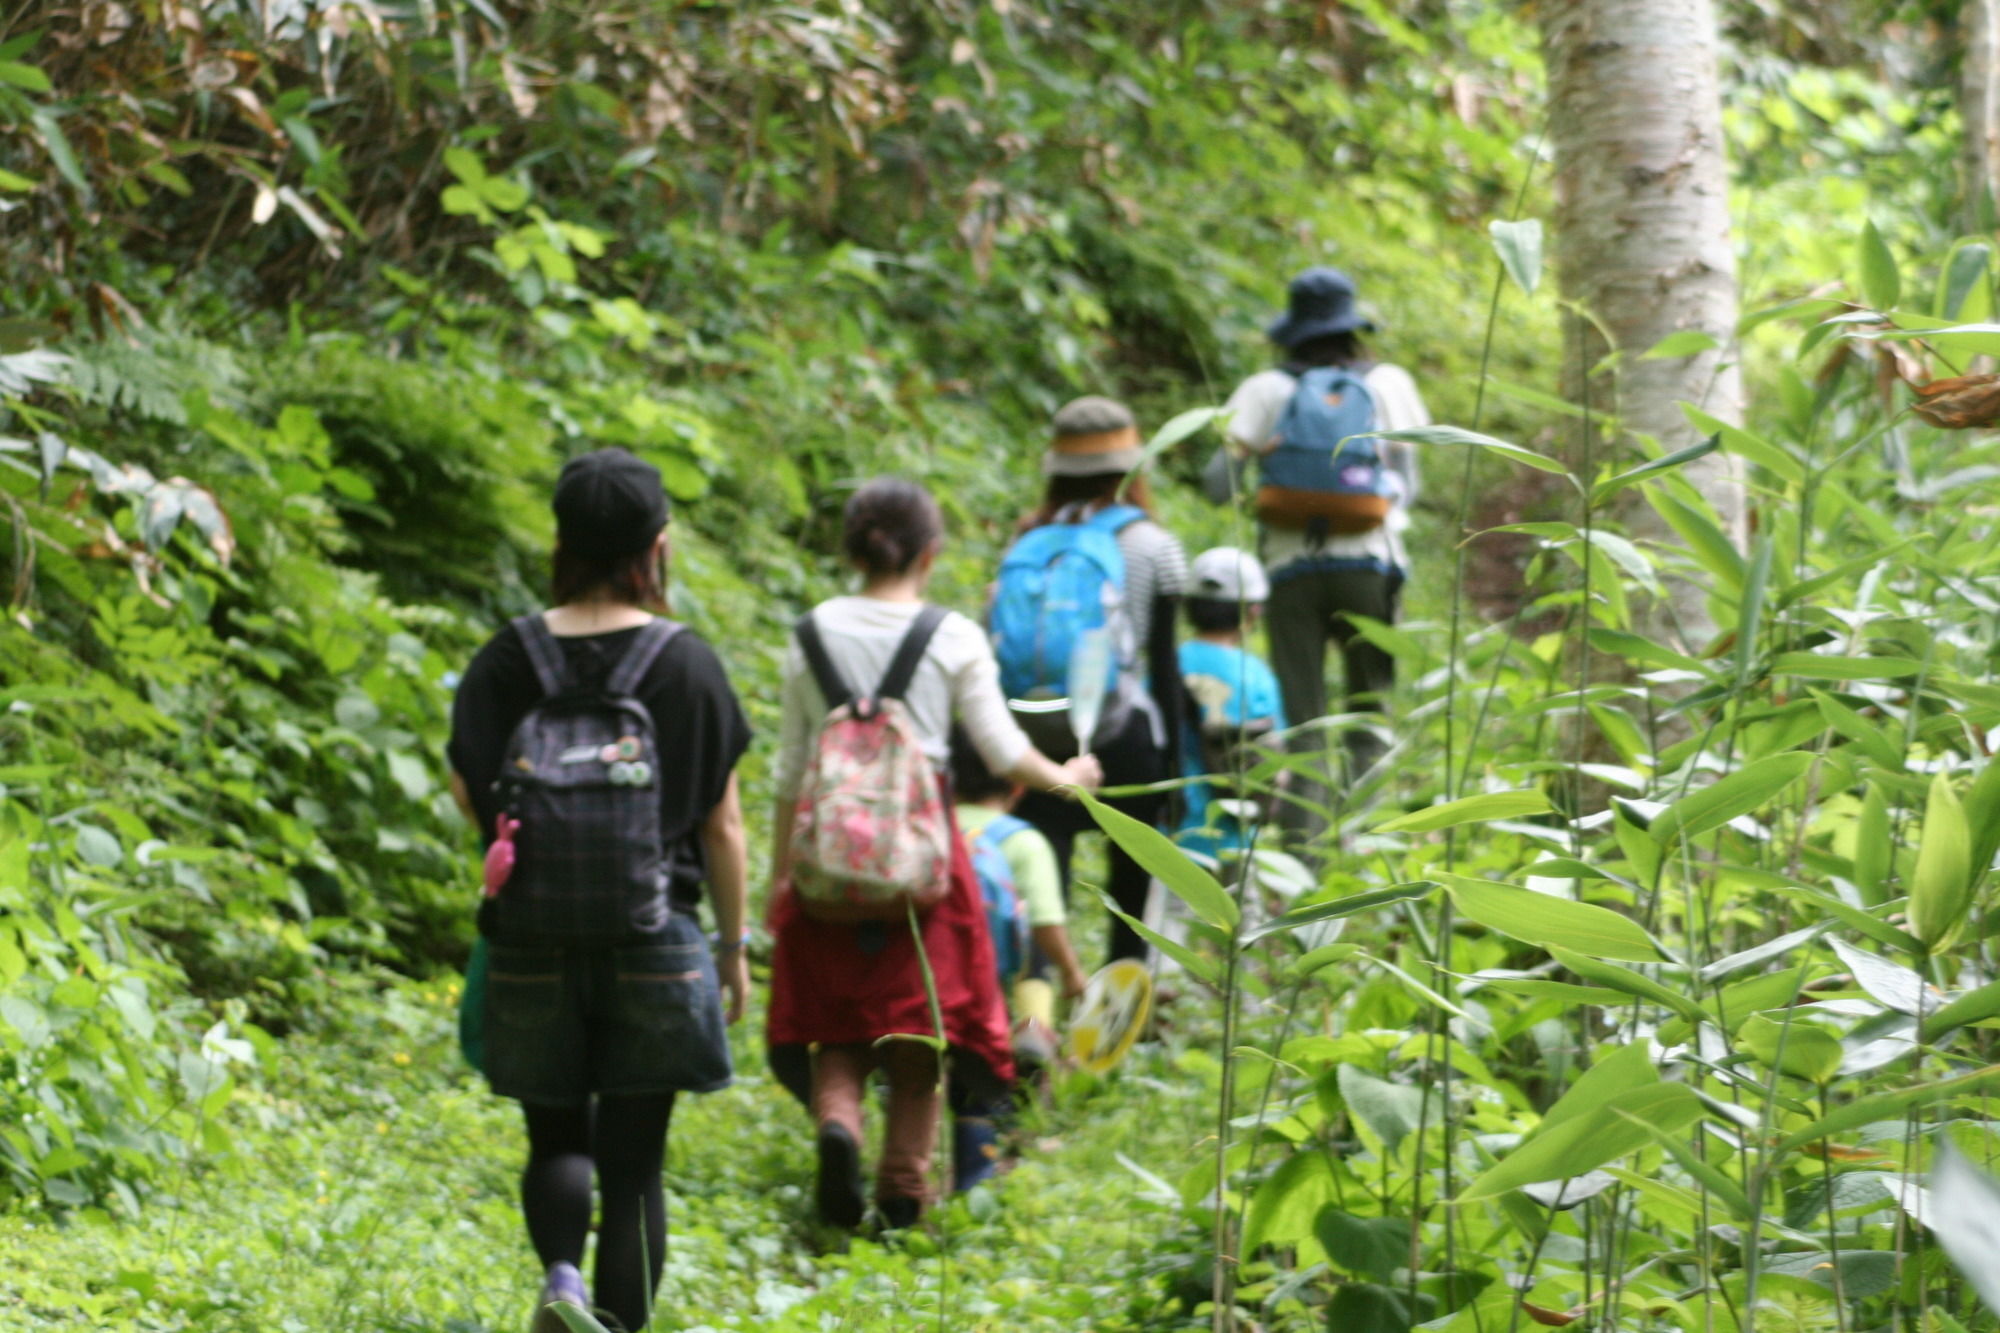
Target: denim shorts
566,1023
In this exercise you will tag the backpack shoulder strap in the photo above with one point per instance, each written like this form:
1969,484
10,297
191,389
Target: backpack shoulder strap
1114,519
831,687
1002,827
903,666
640,655
544,653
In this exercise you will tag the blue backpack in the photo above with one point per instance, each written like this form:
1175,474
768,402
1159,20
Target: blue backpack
1004,919
1326,470
1056,582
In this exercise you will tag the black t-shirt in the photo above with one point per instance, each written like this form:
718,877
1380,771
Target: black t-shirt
698,726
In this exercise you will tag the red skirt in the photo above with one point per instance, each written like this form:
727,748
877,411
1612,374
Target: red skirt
839,984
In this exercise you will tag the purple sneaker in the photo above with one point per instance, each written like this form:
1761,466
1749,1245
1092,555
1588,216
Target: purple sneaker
564,1284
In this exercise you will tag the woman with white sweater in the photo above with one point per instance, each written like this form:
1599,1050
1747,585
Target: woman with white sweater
838,988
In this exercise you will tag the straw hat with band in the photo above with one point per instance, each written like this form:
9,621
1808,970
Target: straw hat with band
1093,436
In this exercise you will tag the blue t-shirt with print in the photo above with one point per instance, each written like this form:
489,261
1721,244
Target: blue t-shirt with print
1229,687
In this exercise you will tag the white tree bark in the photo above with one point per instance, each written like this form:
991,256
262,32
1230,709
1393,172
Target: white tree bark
1642,233
1979,107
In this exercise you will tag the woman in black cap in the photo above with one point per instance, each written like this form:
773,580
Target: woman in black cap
1328,557
595,743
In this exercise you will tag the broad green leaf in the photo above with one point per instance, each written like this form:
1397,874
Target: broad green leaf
1685,343
1798,1048
1881,286
1749,788
11,181
1679,458
1167,863
1889,1106
98,847
1392,1110
465,165
1822,666
1286,1202
1469,810
1621,1125
1369,1307
1941,887
1539,919
1519,245
1436,435
1569,993
1341,907
1888,983
1370,1247
1632,983
1750,612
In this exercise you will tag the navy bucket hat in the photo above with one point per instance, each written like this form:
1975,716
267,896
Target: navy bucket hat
1319,302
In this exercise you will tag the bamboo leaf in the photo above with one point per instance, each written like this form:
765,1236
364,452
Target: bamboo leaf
1749,788
1334,910
1721,1186
1539,919
1888,1106
1680,344
1469,810
1679,458
1436,435
1824,666
1195,964
1632,983
1622,1125
1798,1048
1167,863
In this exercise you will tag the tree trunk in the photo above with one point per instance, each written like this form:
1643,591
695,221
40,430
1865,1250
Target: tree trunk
1979,108
1642,236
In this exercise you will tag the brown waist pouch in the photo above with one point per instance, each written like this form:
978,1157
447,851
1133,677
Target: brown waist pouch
1282,507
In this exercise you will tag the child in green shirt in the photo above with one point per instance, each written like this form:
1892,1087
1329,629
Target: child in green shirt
1027,864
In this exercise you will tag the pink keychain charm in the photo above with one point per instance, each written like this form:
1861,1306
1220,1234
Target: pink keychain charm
500,856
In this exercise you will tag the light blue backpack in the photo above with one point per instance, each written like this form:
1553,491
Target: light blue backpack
1326,470
1057,582
1005,920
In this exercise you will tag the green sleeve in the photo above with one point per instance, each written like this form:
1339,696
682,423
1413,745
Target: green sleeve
1033,862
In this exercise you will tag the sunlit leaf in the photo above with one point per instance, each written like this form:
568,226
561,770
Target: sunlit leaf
1749,788
1941,887
1539,919
1519,245
1469,810
1167,863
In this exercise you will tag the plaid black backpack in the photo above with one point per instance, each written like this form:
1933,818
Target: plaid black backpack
582,775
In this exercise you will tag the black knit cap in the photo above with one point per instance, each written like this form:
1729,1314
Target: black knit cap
609,503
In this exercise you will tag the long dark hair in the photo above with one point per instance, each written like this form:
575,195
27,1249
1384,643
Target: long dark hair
636,579
888,524
1093,493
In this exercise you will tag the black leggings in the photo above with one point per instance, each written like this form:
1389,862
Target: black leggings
624,1147
1130,758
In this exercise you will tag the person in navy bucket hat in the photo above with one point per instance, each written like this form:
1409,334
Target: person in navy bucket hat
1332,543
1319,302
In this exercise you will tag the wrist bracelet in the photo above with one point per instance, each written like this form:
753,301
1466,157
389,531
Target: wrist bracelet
730,946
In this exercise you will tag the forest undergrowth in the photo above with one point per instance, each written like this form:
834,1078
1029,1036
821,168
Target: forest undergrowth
1651,985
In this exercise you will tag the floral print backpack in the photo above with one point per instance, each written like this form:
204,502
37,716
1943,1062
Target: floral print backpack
871,835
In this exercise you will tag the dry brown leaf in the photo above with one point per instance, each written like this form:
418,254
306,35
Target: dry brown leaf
1960,403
